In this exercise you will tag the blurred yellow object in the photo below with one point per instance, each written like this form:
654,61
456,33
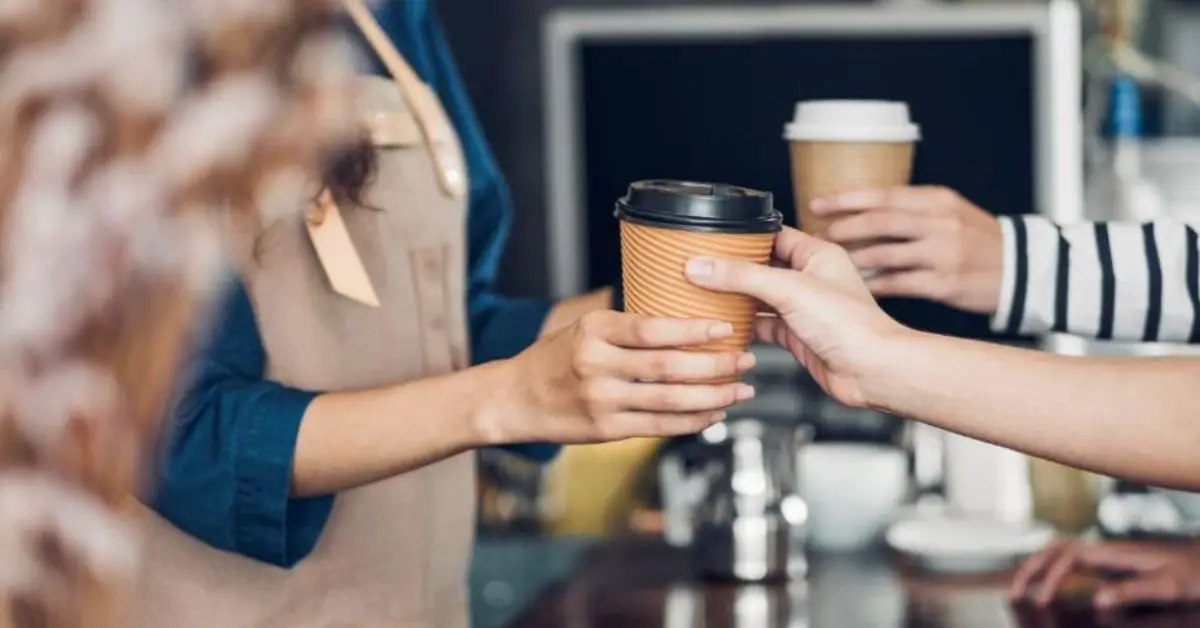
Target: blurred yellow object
1064,497
589,487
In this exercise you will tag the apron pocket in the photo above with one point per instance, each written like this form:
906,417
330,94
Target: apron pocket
429,277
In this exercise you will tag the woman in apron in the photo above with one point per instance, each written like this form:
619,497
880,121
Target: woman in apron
341,367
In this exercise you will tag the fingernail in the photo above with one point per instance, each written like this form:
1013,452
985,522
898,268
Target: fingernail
1105,600
720,416
820,204
746,361
745,392
720,330
700,267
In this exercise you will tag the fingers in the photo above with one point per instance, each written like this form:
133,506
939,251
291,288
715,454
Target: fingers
1030,573
924,284
659,425
644,365
671,424
1055,575
1124,558
794,249
771,329
777,287
665,398
633,331
892,256
879,225
1041,577
908,198
1160,590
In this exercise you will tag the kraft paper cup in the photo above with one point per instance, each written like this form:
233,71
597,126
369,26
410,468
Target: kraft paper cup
821,169
652,273
845,145
665,223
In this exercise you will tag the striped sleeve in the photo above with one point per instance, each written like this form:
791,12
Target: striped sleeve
1107,280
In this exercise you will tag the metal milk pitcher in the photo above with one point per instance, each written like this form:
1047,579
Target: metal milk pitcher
732,499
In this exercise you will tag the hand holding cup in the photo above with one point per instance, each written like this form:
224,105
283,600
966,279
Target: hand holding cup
818,309
923,241
612,376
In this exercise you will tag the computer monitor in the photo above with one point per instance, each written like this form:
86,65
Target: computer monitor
703,94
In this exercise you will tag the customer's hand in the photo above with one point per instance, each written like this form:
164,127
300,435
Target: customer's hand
611,376
819,309
1148,574
926,242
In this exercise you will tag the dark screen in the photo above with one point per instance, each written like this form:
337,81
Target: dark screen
714,111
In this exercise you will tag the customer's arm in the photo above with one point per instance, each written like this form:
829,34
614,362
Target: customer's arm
1107,280
1122,417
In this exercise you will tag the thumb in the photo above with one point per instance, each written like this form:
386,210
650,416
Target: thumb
777,287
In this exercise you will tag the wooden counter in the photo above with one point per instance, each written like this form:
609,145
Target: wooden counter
644,584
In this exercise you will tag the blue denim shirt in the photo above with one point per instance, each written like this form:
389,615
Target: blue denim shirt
232,436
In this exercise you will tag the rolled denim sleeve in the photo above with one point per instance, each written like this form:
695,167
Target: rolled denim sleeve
231,439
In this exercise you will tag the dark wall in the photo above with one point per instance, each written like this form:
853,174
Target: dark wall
497,43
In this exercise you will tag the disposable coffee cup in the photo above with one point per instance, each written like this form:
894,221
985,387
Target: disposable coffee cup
665,223
846,145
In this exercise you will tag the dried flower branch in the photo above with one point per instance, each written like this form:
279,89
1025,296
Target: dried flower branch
133,131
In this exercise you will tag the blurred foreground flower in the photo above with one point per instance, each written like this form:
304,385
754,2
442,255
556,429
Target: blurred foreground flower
137,137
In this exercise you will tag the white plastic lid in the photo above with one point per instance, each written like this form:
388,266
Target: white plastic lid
852,121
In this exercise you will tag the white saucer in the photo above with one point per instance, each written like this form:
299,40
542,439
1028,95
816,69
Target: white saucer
964,545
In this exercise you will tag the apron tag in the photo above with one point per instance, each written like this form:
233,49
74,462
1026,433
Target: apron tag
335,249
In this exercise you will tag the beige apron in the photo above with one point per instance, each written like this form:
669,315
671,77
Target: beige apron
394,553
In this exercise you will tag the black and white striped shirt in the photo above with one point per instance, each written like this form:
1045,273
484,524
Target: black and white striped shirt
1107,280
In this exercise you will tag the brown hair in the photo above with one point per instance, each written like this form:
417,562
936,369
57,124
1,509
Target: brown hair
348,173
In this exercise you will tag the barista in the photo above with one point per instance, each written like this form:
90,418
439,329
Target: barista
320,469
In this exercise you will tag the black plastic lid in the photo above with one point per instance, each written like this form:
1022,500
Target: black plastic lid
699,207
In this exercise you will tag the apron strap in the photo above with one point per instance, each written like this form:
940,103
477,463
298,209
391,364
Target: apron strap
432,121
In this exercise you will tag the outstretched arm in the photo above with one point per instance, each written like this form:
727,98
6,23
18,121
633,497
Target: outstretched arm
1123,417
250,464
1120,417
